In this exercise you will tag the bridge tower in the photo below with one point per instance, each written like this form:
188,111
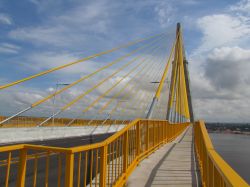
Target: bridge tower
180,57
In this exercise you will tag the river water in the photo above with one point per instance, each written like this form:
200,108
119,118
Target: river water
235,150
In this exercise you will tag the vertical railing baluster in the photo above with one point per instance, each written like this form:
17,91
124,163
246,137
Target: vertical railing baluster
69,169
35,171
8,170
103,165
47,170
59,170
22,168
79,169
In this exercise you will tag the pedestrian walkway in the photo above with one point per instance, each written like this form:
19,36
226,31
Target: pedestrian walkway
172,165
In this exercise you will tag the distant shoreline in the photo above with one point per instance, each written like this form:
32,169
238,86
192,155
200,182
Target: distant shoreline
229,132
228,128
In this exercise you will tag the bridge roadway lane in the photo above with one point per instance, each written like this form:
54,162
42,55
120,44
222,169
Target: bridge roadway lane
53,166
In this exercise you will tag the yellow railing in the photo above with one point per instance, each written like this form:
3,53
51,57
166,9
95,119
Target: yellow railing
215,172
28,121
108,163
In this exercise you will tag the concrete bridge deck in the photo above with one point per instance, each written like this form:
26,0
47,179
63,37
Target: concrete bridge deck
172,165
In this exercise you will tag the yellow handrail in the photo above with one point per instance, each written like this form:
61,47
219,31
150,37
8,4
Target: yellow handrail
28,121
215,172
108,163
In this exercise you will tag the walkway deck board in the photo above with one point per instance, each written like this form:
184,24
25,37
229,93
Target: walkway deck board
172,165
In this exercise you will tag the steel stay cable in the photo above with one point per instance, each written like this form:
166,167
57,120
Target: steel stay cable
138,94
180,82
175,71
127,94
100,97
176,93
113,109
92,88
149,98
123,97
153,51
159,89
159,109
108,115
141,63
167,93
78,81
186,107
162,65
163,100
184,94
105,93
95,72
118,94
174,88
76,62
139,100
155,76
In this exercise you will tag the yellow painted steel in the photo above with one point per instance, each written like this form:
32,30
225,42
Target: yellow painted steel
85,169
47,169
97,166
35,171
91,74
79,169
59,170
174,66
124,96
99,84
95,86
126,152
159,89
8,170
185,110
91,167
215,172
121,91
178,90
110,89
138,102
137,140
24,121
69,170
22,168
76,62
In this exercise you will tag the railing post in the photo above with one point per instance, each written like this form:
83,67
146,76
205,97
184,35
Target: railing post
154,132
103,165
22,168
125,152
69,169
147,136
138,138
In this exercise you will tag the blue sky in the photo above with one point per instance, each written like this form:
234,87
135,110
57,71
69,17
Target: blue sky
37,35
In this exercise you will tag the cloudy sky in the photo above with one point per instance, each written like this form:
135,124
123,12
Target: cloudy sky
39,34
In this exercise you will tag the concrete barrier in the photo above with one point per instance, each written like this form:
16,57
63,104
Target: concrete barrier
19,135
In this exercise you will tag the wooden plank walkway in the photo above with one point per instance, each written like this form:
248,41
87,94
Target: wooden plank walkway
173,165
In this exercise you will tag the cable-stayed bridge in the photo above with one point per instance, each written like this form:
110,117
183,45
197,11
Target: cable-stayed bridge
140,90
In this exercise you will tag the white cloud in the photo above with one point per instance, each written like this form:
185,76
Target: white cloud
221,87
243,6
9,48
69,29
5,19
226,68
221,29
165,12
